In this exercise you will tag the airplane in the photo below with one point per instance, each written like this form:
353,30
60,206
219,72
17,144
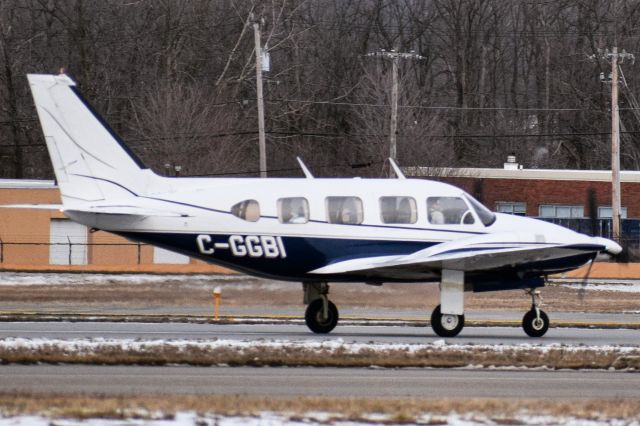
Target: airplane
310,230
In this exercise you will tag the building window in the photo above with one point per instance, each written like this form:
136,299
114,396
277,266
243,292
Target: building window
345,210
162,256
398,210
248,210
561,211
293,210
606,212
517,208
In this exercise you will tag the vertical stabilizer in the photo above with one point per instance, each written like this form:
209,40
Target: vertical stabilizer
90,161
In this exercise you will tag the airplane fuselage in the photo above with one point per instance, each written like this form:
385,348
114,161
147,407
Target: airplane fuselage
204,226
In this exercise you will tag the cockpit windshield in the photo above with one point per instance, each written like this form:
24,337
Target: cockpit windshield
487,217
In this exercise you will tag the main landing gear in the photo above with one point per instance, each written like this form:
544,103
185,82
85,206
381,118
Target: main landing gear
321,315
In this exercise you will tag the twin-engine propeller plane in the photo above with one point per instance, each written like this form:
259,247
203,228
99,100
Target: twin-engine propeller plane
309,230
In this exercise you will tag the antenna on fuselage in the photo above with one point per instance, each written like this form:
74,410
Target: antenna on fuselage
396,169
304,168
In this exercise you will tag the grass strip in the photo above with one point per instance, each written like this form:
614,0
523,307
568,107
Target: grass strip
500,411
316,354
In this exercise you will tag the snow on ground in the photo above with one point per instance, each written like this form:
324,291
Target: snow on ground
623,287
69,279
56,278
277,419
88,345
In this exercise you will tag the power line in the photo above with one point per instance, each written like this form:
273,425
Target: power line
443,107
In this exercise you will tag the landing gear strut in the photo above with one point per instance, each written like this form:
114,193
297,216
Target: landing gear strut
447,319
321,315
535,322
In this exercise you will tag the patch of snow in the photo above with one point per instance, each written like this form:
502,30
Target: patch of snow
70,279
89,345
622,288
315,418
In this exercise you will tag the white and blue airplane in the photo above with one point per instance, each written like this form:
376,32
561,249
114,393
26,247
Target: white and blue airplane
308,230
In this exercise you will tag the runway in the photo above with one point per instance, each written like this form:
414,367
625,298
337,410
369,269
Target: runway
327,382
299,332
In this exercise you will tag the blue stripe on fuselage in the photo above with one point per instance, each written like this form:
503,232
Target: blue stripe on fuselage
302,254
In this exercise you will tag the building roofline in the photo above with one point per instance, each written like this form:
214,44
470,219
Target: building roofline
27,184
530,174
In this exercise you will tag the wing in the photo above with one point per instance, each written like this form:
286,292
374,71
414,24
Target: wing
478,253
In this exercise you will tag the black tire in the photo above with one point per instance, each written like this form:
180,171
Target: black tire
532,326
313,317
446,325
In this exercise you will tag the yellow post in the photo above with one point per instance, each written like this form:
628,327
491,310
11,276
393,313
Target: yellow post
217,295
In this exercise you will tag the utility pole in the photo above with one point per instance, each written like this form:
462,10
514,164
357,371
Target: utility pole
616,199
616,202
395,58
261,136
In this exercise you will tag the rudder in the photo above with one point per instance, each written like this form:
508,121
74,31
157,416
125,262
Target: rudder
90,161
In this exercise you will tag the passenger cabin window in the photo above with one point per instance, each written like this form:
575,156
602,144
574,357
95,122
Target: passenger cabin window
293,210
398,210
449,211
248,210
344,210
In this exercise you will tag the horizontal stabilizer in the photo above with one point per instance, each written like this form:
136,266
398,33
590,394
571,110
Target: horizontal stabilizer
128,211
33,206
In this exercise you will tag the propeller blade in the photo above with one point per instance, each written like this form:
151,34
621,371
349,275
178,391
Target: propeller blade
585,281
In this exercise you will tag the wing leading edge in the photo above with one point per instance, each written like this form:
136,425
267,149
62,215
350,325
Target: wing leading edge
478,253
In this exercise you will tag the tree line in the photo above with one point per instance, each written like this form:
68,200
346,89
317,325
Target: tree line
176,79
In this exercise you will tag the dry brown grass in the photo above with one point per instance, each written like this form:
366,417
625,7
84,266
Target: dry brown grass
243,292
264,355
397,410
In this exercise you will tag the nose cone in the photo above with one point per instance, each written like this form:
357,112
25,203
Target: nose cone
610,246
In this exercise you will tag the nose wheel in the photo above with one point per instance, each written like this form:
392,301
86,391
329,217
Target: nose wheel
535,322
446,325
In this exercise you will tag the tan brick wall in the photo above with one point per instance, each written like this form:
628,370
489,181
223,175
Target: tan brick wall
25,234
26,226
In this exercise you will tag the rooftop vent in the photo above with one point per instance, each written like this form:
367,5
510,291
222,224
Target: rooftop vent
511,163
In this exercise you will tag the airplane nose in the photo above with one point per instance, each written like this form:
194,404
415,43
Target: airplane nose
610,246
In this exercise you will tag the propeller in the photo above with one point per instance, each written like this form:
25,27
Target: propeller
585,280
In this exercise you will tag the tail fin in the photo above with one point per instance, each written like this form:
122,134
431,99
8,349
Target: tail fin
90,161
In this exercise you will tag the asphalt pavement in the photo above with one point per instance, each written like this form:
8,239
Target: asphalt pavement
328,382
299,332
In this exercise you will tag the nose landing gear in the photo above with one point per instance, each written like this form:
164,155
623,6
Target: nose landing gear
535,322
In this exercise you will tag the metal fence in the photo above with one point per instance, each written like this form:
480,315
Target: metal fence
73,253
130,253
